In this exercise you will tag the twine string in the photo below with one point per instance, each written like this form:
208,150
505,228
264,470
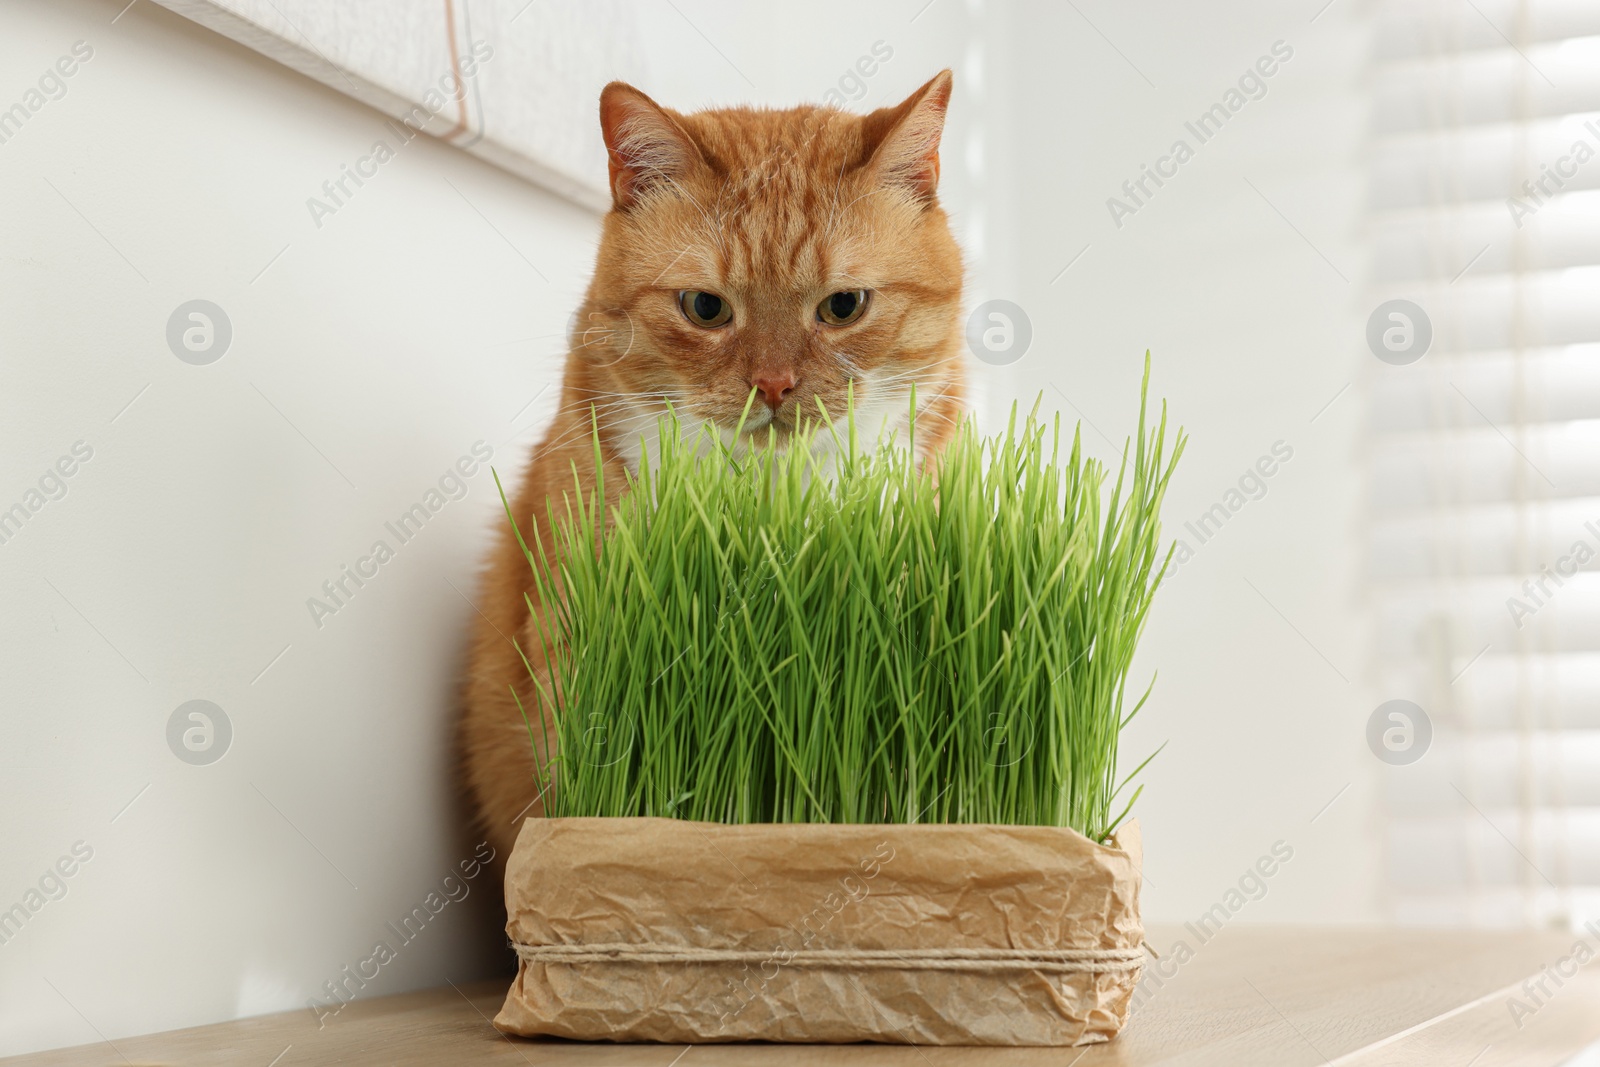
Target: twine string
1048,961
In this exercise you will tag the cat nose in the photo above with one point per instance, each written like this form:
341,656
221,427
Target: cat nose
775,388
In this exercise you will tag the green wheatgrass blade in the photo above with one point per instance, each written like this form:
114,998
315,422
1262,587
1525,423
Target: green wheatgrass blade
827,632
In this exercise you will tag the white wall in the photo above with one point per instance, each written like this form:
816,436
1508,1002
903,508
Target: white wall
376,350
365,360
1251,332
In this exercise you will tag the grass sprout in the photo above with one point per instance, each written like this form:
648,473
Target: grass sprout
828,631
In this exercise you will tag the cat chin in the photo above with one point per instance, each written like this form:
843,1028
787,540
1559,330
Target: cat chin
882,417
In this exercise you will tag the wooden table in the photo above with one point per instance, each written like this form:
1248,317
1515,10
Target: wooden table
1253,995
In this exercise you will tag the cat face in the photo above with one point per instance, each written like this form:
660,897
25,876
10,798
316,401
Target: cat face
756,262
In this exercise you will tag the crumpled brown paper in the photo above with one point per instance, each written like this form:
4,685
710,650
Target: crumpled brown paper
797,892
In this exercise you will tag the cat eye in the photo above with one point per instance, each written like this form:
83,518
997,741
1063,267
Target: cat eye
705,309
843,308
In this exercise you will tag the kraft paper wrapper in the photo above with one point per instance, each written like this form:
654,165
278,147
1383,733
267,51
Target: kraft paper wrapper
665,882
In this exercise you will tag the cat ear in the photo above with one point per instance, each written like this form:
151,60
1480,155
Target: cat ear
646,145
904,140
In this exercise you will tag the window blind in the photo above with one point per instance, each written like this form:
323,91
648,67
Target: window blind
1483,456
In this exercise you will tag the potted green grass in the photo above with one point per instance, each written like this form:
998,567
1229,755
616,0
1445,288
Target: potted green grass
835,743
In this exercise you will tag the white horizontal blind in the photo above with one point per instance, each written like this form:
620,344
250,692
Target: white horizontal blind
1484,459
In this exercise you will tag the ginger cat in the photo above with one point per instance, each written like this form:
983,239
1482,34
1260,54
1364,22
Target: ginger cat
794,254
